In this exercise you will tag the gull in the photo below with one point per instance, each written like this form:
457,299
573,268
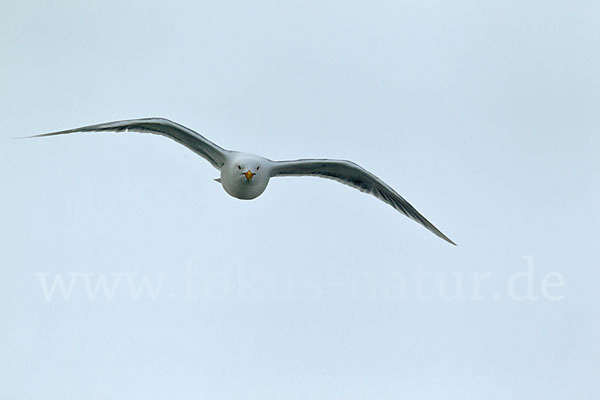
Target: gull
246,176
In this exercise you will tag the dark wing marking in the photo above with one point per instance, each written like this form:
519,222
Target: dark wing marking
159,126
359,178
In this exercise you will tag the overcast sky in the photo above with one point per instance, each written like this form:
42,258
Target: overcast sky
483,114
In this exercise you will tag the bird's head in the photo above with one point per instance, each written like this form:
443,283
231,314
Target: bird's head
245,176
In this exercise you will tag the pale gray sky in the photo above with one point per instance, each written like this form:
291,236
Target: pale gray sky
483,114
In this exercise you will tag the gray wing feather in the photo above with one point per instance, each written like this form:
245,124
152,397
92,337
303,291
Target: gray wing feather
357,177
159,126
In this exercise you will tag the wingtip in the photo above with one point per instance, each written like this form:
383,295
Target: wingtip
439,234
37,136
447,239
23,137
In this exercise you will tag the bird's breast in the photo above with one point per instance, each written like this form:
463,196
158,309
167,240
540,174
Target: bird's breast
242,188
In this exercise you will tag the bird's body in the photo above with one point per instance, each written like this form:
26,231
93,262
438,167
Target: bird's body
246,176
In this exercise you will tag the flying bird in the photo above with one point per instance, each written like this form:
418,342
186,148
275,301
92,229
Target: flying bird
246,176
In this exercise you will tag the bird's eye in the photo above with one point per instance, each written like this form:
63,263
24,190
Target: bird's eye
257,167
239,167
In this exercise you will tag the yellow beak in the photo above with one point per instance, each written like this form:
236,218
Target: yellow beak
249,174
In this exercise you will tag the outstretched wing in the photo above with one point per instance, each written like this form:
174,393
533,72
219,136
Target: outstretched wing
159,126
354,175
